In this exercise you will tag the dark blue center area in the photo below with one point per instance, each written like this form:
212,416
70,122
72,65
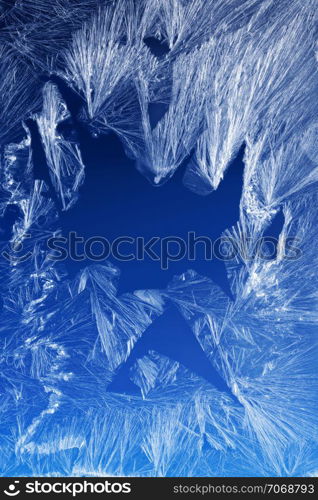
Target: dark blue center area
117,201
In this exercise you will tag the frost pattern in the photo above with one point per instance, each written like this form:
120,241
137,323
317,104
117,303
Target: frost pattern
63,157
229,73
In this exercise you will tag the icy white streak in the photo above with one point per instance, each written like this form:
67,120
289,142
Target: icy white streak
104,54
167,145
63,156
120,321
185,24
252,77
18,96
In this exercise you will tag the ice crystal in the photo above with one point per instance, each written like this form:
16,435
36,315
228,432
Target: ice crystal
228,74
